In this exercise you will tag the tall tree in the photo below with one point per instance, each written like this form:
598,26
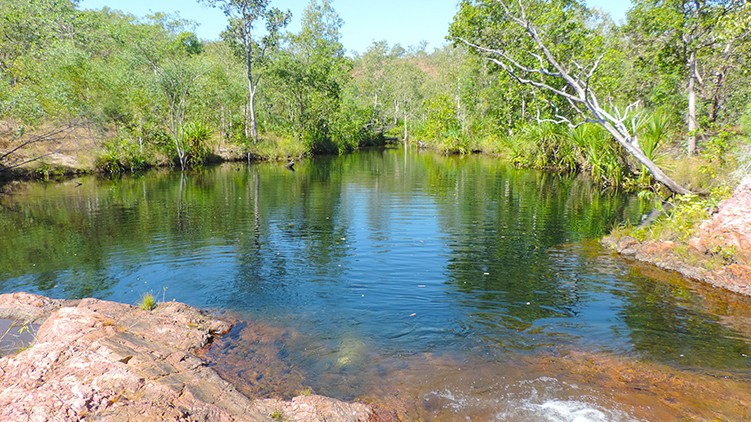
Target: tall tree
243,15
547,45
311,74
701,38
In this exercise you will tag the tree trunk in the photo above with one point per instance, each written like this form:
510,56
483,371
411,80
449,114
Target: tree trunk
406,134
691,116
578,92
635,150
252,106
251,116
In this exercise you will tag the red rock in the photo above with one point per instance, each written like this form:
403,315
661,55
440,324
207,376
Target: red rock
719,253
109,361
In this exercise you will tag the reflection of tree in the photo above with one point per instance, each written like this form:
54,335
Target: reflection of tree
667,323
297,231
179,207
270,240
503,228
251,265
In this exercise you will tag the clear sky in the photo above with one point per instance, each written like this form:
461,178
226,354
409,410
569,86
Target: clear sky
407,22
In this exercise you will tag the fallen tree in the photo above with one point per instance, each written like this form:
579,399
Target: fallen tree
480,21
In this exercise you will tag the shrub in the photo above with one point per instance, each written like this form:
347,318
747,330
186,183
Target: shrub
121,156
197,143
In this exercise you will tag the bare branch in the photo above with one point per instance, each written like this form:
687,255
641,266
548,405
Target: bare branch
577,91
512,66
18,142
542,69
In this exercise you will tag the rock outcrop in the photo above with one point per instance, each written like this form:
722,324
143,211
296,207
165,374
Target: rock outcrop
719,253
93,359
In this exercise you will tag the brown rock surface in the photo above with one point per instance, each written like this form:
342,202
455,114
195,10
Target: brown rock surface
730,227
108,361
718,254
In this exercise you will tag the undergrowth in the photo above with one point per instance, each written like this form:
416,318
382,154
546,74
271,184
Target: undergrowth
679,217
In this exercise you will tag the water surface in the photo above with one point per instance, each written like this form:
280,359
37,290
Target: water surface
362,265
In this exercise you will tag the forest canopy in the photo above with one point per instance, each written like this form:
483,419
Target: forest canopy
149,87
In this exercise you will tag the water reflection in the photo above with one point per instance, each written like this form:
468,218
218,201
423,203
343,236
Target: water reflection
381,253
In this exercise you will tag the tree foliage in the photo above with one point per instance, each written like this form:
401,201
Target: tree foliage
139,83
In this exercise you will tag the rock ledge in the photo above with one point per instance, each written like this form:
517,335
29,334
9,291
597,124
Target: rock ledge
95,359
719,253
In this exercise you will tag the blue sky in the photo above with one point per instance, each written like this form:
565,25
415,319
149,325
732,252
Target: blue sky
407,22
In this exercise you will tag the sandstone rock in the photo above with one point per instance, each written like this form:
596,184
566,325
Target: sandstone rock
730,227
27,307
718,254
108,361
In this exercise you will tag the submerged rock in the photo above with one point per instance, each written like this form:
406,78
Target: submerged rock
95,359
719,253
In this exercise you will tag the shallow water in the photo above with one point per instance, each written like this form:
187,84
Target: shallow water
376,275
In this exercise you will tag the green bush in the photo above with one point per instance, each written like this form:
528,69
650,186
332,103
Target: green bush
600,155
197,143
746,121
121,156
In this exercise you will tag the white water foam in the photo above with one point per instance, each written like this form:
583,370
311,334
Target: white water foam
543,399
550,400
564,411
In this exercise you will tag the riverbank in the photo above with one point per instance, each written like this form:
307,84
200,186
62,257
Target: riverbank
111,361
718,252
58,153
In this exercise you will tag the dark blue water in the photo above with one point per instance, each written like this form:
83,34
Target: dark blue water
381,253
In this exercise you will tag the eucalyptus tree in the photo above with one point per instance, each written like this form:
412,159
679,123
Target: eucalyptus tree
178,80
311,74
243,15
547,44
389,81
407,81
699,40
222,94
31,26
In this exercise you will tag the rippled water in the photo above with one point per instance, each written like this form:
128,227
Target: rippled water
377,263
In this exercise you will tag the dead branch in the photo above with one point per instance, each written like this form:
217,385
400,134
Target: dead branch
581,97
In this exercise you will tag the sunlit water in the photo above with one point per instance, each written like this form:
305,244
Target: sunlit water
379,266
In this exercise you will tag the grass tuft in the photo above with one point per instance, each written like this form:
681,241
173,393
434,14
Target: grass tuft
148,302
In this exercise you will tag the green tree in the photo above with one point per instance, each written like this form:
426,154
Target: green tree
243,15
311,74
177,79
549,46
698,40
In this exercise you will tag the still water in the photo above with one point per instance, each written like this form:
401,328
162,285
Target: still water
385,274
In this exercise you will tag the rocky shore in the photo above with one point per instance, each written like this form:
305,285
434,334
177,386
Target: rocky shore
94,359
719,252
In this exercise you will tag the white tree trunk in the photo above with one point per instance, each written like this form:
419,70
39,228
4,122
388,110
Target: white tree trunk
693,125
578,92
